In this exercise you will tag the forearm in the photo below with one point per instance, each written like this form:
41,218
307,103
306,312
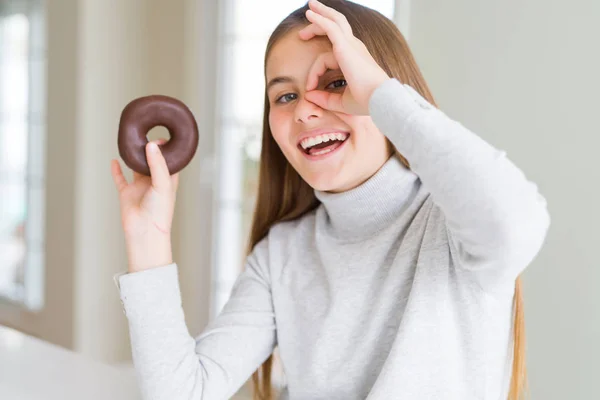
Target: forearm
487,201
162,348
170,363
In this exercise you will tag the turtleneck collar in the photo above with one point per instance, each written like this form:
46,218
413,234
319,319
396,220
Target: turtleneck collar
363,211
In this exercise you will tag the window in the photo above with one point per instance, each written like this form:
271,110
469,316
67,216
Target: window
22,131
244,36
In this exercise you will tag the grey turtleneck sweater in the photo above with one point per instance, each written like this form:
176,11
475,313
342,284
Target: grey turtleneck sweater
400,288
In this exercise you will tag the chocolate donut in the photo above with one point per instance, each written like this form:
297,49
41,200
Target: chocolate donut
143,114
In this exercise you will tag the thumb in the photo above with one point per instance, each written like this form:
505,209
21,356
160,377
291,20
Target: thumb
159,171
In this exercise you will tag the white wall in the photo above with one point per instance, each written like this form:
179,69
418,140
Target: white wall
525,75
112,57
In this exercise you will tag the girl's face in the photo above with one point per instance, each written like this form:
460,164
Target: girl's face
347,149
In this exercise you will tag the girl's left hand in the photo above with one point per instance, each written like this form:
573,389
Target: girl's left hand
362,73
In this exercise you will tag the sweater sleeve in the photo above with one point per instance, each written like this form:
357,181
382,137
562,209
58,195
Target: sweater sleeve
496,219
169,363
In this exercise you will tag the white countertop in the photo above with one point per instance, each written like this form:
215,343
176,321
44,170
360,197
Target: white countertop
31,369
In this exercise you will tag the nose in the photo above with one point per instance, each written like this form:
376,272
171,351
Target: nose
306,111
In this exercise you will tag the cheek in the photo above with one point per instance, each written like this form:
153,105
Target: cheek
279,124
366,137
360,127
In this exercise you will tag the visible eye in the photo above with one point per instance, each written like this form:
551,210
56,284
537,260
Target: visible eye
338,81
286,96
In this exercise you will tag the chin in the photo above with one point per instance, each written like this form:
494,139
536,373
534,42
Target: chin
327,183
320,182
324,187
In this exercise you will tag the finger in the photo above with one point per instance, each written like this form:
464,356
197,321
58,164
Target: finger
138,176
331,28
159,172
333,14
323,62
326,100
175,182
117,174
310,31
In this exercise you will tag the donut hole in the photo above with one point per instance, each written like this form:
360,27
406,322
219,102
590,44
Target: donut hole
158,132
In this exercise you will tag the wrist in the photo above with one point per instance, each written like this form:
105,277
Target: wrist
148,255
380,80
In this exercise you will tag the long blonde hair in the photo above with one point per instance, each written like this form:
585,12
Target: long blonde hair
283,195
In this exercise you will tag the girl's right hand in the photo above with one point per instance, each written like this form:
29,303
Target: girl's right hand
147,207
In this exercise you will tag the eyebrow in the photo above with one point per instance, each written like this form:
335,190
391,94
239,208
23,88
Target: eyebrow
279,79
287,79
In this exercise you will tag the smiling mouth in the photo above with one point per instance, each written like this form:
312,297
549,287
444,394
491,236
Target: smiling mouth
322,144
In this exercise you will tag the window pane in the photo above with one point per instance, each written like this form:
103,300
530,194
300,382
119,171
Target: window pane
258,18
12,238
245,84
13,152
386,7
22,150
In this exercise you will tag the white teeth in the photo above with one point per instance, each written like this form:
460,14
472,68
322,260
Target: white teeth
309,142
318,153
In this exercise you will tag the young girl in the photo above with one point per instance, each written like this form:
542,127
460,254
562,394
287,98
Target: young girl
386,245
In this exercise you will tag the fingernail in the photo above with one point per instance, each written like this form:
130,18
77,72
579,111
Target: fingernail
153,147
